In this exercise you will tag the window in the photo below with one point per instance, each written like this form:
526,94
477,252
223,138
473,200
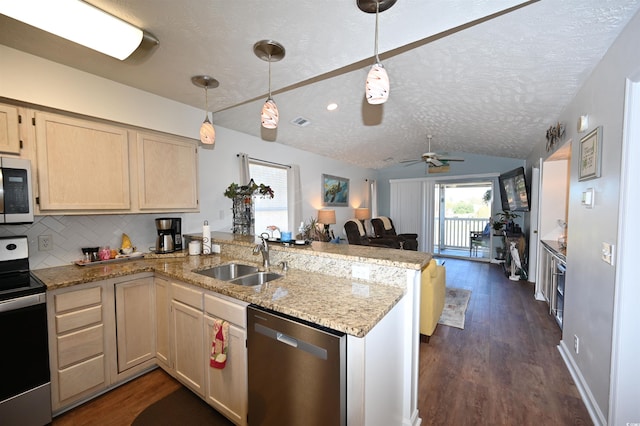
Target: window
270,211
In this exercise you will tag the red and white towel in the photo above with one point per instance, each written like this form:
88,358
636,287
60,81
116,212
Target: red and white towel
219,345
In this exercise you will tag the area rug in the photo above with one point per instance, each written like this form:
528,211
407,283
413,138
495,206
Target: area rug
455,307
182,407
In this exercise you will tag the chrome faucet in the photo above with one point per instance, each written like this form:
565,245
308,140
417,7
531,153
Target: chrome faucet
264,249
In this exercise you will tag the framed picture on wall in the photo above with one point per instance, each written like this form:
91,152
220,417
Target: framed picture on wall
335,191
591,155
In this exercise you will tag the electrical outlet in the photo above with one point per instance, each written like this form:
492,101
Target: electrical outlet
360,271
576,344
215,248
45,242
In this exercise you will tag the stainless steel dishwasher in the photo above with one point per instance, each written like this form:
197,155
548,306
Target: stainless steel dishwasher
297,371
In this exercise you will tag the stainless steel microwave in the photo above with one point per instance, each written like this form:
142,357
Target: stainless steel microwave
16,197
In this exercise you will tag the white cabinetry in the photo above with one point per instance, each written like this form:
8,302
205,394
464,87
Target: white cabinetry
77,342
187,331
167,172
85,166
82,165
135,324
9,135
226,389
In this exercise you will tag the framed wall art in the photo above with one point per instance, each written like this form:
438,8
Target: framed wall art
335,191
591,155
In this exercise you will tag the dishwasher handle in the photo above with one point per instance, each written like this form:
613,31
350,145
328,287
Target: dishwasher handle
310,348
287,340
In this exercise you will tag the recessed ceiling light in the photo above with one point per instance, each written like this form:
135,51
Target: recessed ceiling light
332,106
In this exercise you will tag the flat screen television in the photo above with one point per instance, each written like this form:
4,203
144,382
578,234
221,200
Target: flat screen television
513,191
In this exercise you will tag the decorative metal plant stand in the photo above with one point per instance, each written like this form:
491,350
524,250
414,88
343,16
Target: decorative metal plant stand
243,215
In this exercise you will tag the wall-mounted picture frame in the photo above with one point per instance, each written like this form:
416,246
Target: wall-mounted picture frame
590,155
335,191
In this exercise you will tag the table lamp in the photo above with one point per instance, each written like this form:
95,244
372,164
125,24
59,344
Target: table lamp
327,217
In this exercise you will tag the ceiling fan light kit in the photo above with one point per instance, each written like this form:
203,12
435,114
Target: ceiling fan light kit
207,132
80,23
270,51
377,85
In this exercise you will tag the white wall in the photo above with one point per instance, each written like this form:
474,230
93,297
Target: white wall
33,80
591,283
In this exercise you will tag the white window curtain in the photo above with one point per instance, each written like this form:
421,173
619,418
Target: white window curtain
295,198
244,168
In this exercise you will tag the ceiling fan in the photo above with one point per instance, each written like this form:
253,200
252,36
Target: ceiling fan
433,159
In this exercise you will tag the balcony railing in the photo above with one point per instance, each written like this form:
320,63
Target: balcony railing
455,231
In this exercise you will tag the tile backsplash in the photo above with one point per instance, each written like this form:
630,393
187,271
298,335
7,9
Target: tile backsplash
70,233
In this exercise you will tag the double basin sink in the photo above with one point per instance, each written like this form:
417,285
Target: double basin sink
239,274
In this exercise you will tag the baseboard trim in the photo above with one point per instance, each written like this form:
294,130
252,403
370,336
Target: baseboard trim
597,417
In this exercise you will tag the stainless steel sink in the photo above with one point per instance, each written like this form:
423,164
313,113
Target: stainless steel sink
256,279
229,271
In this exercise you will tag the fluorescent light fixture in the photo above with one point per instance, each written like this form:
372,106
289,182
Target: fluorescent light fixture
78,22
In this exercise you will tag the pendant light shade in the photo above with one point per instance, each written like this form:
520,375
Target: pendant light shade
377,85
270,51
269,115
207,132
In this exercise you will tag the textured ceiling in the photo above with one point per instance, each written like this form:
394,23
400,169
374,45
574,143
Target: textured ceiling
481,76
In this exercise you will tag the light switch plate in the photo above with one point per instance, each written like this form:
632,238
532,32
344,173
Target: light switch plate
588,198
608,253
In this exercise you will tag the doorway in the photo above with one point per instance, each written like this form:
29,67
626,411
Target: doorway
462,219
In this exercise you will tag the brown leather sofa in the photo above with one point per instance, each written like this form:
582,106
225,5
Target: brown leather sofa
432,294
383,228
357,235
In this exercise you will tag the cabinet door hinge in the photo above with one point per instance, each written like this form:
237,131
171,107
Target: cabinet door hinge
33,121
38,200
21,145
19,118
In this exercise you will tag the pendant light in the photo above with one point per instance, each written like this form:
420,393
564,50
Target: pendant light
207,132
270,51
377,84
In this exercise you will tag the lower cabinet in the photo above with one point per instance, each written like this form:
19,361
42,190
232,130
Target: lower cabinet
135,322
188,346
226,388
77,343
163,351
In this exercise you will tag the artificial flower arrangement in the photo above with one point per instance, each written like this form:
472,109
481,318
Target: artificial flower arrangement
234,190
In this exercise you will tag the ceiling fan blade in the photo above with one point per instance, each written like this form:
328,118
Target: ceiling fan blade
411,162
435,161
450,158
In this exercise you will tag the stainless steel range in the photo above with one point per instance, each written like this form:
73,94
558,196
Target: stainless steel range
25,387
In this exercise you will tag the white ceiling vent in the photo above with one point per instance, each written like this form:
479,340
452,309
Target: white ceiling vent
301,121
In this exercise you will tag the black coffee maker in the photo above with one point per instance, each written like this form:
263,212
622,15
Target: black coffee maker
169,234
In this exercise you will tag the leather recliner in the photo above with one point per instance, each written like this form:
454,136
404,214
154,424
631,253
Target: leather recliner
383,228
357,235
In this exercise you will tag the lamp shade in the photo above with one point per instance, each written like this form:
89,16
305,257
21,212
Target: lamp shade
269,115
377,85
327,217
207,132
363,213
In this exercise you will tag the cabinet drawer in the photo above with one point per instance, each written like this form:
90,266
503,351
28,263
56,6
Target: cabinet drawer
80,345
226,310
77,299
78,319
187,295
81,377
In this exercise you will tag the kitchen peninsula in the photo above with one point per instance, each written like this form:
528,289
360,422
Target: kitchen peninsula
378,312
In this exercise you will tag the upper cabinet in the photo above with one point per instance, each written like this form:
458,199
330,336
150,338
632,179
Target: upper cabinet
85,166
9,139
82,165
167,172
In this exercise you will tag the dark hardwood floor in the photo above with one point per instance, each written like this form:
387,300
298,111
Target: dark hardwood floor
502,369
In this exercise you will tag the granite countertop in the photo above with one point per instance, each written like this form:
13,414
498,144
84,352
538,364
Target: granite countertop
344,304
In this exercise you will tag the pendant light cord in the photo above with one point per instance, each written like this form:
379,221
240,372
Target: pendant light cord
269,76
376,37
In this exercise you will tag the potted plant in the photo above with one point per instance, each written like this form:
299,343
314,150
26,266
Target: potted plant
504,220
243,209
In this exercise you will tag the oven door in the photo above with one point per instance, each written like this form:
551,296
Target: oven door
25,391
